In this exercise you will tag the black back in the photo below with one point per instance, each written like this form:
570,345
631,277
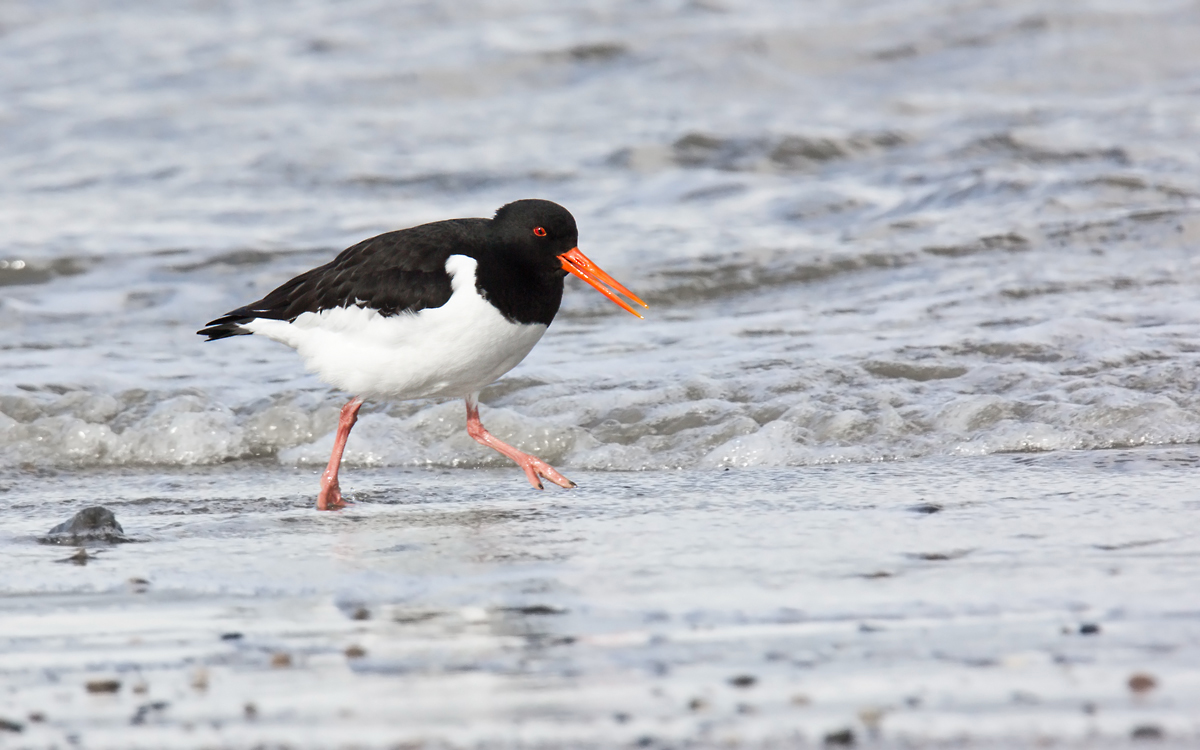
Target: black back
401,272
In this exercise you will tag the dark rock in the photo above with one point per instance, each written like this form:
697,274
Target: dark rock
1089,628
597,52
844,737
103,686
231,636
10,726
95,524
1146,732
80,557
743,680
146,709
535,609
1141,682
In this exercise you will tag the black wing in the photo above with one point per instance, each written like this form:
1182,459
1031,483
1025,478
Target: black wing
393,273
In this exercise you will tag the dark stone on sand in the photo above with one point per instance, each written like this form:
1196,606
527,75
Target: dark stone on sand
80,557
103,686
743,680
844,738
146,709
1089,628
231,636
926,508
10,726
1140,682
1147,732
94,524
535,609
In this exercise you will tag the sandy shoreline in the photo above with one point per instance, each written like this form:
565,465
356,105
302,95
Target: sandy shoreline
999,600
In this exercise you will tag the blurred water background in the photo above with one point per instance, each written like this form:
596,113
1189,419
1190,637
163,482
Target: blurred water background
918,232
869,230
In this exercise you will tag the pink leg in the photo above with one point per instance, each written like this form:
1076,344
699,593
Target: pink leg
330,497
532,465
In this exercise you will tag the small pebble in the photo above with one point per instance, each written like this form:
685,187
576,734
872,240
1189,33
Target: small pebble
621,717
103,686
743,681
697,704
281,659
871,718
844,737
10,726
141,688
1089,628
37,717
139,585
231,636
250,711
200,679
1142,682
362,613
355,652
1147,732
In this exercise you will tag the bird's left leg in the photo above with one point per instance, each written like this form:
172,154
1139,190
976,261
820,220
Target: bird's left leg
533,466
330,496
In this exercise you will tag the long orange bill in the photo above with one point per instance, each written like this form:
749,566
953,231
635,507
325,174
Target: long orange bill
578,264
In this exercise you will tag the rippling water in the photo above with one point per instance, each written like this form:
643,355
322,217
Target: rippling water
914,231
867,230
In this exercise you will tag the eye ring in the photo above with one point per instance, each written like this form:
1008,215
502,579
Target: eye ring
539,231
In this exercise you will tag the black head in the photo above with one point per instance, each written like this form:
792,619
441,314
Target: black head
537,230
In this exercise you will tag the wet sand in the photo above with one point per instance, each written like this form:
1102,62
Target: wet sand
991,601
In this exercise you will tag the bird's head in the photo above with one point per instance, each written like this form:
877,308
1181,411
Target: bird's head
545,233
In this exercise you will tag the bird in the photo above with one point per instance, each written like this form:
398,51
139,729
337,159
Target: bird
437,310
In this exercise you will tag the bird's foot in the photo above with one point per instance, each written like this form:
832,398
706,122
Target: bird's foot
535,467
330,497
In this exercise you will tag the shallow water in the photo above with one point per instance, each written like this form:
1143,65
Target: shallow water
868,230
897,253
920,602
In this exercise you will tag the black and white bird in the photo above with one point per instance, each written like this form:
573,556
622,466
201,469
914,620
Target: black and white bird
438,310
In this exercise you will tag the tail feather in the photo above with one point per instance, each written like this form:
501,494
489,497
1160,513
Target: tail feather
226,326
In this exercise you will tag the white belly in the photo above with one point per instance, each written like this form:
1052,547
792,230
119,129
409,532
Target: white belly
452,350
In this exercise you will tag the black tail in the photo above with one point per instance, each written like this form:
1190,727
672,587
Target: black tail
226,326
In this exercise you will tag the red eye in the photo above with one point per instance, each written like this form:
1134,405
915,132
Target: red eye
539,231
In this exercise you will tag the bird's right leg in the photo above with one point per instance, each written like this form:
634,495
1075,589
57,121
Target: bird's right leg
533,466
330,496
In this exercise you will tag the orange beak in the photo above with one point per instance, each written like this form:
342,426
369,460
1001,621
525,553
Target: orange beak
578,264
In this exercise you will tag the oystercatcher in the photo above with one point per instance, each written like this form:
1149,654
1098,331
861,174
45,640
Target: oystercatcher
440,309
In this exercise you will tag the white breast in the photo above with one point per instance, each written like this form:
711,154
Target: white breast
452,350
